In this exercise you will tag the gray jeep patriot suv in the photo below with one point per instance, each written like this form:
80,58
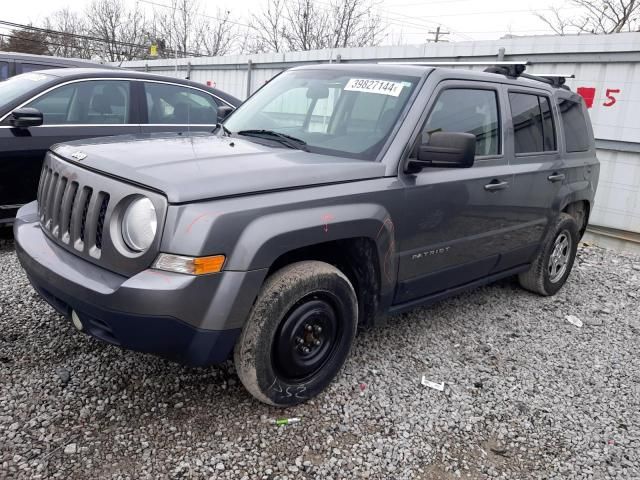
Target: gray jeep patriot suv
335,194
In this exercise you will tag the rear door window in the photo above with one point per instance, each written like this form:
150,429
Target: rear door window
176,105
533,125
574,123
97,102
468,111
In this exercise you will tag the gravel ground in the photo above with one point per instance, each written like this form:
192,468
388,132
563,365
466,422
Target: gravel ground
527,394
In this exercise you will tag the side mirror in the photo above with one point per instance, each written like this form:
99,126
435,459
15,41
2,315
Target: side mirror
223,112
445,150
26,117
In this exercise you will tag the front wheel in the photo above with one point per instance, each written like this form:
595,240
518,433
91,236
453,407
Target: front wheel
298,335
551,268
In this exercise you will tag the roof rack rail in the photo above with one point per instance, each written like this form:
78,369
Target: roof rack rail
557,80
554,79
509,69
514,70
452,64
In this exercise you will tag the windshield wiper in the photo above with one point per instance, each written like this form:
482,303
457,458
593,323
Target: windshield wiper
288,140
225,130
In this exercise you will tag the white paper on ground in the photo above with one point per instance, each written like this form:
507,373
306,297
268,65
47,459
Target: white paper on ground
573,320
434,385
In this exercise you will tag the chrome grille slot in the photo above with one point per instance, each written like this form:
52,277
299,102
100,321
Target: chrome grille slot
48,206
85,211
45,190
78,217
101,216
57,204
65,210
43,176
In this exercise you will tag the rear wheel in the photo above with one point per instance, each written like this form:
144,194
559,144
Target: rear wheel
551,268
298,334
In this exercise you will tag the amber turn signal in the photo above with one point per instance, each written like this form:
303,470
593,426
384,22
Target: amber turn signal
189,265
211,264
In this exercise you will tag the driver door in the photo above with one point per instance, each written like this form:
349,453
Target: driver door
451,233
73,111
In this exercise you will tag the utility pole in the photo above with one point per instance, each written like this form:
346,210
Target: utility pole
438,34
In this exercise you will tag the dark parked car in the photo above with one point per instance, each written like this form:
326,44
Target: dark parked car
334,195
39,109
12,64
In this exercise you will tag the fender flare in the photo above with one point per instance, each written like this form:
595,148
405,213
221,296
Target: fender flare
267,238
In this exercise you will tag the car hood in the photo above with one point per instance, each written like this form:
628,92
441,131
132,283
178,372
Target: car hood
202,166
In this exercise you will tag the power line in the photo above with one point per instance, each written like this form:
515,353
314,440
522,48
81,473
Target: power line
47,42
213,17
89,37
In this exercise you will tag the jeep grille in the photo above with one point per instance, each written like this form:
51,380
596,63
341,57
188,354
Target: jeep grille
67,211
77,208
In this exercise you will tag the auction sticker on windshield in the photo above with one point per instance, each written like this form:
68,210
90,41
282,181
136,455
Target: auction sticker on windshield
383,87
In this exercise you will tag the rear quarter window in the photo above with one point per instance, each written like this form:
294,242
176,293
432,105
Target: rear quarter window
574,123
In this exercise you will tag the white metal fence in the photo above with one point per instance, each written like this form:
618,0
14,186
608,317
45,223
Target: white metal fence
607,71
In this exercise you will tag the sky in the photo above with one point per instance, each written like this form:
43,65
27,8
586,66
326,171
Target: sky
409,20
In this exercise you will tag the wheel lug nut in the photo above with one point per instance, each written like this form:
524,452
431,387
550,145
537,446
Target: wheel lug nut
308,328
317,343
305,349
317,329
299,341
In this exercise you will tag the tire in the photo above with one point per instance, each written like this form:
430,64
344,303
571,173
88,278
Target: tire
298,335
546,277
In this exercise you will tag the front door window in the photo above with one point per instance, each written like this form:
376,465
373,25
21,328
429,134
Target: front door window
99,102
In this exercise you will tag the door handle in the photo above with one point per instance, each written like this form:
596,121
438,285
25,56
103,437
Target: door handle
556,177
496,185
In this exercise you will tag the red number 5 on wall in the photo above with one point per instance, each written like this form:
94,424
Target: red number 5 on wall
609,94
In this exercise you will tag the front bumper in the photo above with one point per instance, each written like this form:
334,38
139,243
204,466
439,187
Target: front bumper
189,319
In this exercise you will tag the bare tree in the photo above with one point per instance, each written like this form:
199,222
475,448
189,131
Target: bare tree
180,26
355,24
268,28
218,34
304,25
595,16
308,26
72,40
121,30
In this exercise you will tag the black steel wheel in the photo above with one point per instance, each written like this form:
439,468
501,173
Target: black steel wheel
307,337
298,335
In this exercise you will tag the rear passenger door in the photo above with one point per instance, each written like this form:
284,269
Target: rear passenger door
537,166
452,232
178,108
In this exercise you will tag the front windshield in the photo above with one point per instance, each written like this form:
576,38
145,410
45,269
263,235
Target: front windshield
21,84
335,112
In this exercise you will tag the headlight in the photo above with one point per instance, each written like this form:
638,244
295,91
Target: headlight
139,224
